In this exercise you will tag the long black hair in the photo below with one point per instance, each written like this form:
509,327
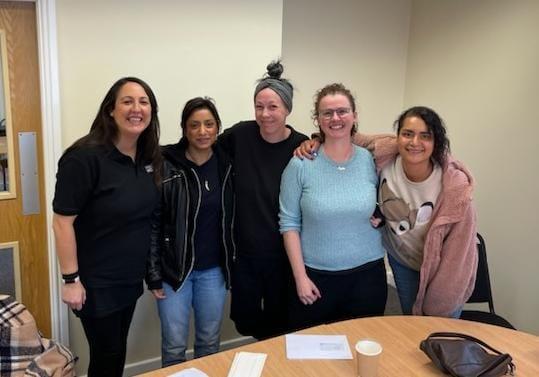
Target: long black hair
104,130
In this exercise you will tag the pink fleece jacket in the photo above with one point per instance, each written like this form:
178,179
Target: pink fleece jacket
447,275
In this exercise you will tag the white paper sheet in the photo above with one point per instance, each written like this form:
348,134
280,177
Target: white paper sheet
191,372
247,364
317,347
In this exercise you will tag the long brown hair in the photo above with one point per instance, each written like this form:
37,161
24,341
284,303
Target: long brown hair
104,130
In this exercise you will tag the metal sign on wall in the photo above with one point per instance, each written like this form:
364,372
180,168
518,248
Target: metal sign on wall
29,173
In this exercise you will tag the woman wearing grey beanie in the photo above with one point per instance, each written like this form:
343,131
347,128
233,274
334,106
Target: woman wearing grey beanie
260,150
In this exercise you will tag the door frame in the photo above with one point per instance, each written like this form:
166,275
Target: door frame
52,149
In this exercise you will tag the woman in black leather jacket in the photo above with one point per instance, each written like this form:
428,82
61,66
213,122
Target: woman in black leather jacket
192,247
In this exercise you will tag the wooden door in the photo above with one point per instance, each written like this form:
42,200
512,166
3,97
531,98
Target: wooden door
18,20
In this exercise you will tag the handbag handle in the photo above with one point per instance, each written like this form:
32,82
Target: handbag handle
463,336
511,366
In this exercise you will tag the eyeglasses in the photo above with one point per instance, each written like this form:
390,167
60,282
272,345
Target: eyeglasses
341,112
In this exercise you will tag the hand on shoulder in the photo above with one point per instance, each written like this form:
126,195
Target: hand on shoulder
308,149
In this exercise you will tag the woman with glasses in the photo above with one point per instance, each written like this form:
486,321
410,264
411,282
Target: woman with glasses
425,196
325,209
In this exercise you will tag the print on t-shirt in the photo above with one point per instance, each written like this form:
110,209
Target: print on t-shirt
400,217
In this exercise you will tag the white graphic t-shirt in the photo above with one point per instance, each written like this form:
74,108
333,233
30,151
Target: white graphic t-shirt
407,207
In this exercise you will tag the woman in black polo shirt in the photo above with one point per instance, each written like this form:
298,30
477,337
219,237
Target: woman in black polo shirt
105,196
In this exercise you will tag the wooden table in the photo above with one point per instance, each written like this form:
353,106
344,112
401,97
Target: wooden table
400,337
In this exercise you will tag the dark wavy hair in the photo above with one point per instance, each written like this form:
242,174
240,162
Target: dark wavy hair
435,125
332,89
199,103
104,130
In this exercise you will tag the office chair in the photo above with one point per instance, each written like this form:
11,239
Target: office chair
483,293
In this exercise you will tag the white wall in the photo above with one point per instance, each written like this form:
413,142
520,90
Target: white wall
477,63
361,43
182,49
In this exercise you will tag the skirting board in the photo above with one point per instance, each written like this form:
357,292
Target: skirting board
154,363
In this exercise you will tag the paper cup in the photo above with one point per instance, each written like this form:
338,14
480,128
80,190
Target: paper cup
367,354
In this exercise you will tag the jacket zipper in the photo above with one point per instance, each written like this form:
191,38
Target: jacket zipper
182,272
173,177
223,225
194,229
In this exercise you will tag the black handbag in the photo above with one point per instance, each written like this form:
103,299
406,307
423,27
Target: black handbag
462,355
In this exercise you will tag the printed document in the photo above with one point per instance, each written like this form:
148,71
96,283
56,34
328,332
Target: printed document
317,347
191,372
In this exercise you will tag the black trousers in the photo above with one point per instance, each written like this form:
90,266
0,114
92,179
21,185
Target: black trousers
107,339
359,292
259,296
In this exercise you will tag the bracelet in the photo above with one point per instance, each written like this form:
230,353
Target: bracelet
70,281
70,278
72,275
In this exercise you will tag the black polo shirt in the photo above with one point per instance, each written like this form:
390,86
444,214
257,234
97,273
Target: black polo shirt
113,198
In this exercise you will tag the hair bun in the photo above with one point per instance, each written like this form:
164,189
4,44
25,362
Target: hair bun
275,69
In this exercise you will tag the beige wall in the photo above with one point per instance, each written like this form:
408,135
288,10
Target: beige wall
361,43
477,63
182,49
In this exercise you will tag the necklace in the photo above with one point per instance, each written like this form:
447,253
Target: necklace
190,158
341,164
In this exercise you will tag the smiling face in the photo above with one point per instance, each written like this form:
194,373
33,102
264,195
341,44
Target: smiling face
132,110
415,142
270,114
336,117
201,130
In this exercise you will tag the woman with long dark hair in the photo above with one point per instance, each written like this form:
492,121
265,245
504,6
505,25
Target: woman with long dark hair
106,193
425,196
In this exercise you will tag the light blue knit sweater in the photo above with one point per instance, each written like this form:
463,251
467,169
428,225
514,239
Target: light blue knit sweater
330,205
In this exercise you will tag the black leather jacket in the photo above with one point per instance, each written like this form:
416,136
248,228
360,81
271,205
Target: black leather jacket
172,250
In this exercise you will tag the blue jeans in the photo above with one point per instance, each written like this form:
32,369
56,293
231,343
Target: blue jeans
205,292
407,282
